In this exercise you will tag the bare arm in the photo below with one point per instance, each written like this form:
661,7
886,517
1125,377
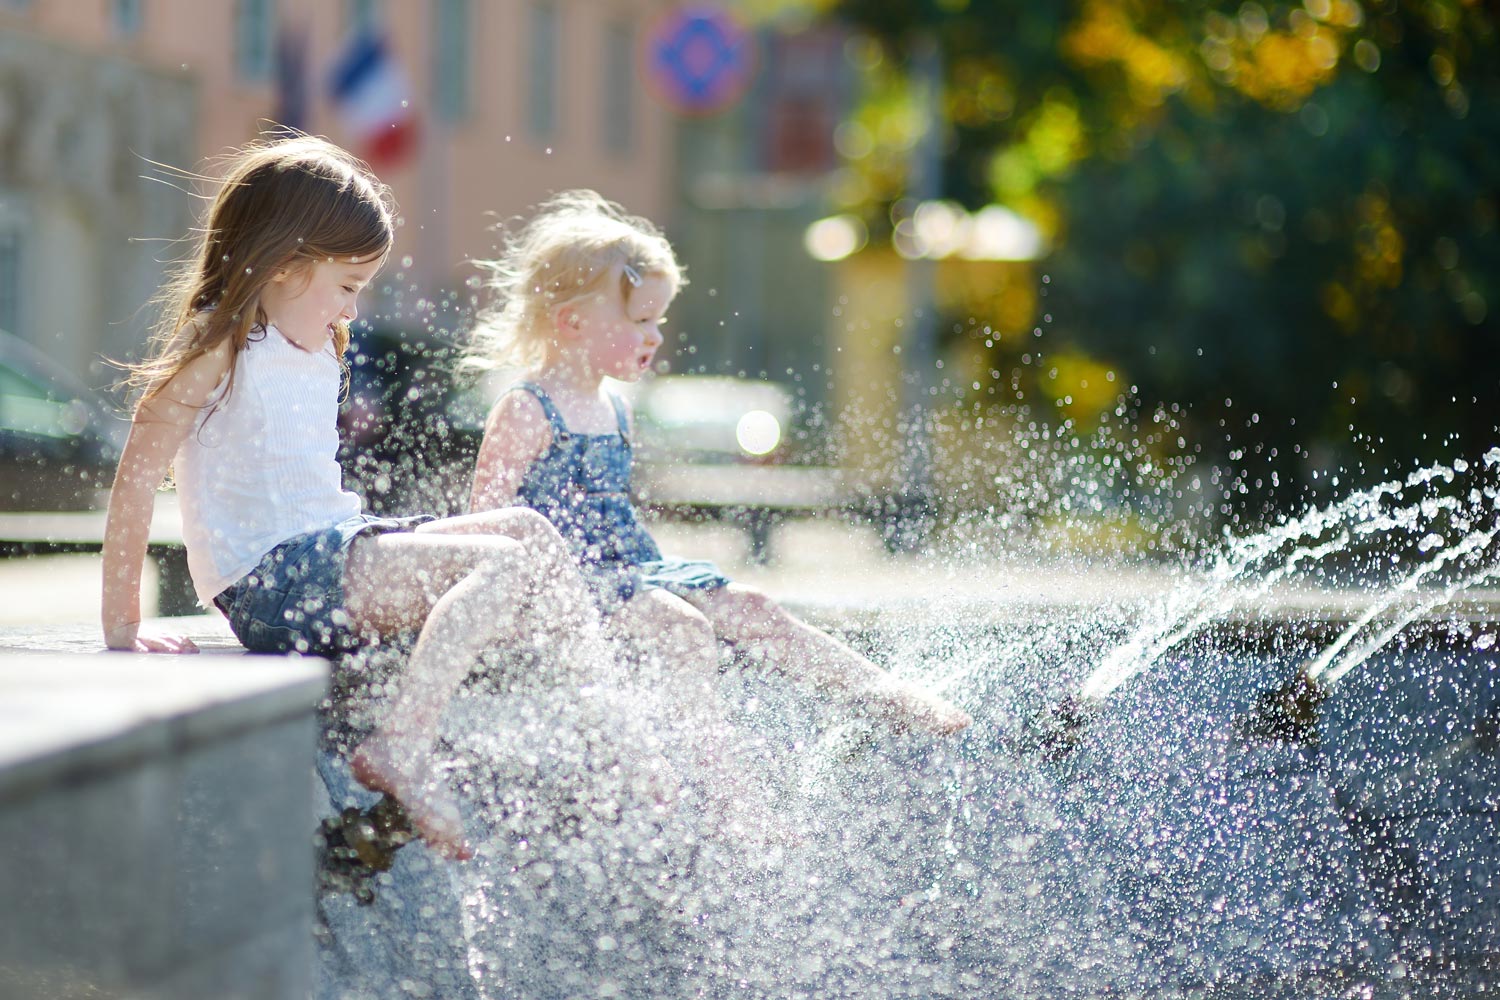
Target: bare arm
160,425
515,433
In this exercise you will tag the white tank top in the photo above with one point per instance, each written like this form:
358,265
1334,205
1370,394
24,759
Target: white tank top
262,466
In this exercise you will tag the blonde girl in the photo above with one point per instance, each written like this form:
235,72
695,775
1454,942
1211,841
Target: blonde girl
580,295
239,398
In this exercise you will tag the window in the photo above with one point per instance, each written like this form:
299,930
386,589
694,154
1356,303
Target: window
254,48
450,59
10,279
127,16
14,219
542,70
363,15
618,102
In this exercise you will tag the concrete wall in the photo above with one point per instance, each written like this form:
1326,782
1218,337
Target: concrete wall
156,825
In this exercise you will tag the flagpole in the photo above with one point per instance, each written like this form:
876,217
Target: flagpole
433,181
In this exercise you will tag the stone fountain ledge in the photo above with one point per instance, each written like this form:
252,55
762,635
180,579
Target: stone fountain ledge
155,817
997,597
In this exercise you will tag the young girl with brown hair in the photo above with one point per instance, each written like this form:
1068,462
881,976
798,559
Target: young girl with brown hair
239,398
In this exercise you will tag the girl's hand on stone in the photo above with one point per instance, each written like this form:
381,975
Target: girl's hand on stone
129,638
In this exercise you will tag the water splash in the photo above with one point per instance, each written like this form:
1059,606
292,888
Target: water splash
1160,853
1322,546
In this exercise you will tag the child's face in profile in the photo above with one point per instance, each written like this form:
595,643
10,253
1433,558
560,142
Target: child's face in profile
306,300
620,334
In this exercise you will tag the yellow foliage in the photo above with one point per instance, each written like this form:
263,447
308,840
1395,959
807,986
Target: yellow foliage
889,123
762,11
1083,387
1104,34
1339,306
1282,69
1055,137
1345,14
1379,246
1001,295
981,94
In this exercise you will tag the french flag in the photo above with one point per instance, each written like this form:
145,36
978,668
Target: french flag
373,99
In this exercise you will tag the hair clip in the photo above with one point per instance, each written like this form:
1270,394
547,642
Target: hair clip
633,276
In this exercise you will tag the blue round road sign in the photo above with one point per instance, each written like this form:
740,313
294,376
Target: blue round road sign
701,58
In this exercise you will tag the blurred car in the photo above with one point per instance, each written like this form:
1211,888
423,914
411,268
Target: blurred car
404,447
695,419
711,419
411,427
59,439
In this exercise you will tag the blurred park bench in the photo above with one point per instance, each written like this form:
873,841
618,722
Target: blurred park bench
715,448
753,497
25,533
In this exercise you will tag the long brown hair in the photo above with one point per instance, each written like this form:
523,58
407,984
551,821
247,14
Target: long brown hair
282,204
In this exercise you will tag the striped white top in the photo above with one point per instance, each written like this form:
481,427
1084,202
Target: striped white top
262,466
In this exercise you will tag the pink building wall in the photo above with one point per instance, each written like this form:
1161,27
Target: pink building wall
466,174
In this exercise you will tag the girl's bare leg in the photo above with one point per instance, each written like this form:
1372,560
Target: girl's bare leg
674,645
748,618
558,600
665,627
465,592
676,639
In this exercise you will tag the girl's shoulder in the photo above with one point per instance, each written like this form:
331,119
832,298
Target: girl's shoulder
517,427
202,361
196,379
518,408
190,333
196,336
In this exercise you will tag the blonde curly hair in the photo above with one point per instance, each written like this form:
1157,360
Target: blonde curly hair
574,243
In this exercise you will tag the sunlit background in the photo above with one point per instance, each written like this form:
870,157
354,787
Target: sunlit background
1125,370
1115,274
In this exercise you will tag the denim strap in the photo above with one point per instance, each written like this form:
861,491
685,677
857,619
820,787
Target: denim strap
554,416
620,416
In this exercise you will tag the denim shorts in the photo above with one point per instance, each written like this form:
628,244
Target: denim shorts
293,600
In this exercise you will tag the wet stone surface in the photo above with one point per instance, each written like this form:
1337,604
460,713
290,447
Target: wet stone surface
153,818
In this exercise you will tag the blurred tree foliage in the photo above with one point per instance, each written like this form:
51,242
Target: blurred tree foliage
1282,216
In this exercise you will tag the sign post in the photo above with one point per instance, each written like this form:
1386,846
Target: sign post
700,58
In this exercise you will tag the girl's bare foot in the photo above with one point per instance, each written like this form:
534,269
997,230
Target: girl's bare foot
408,777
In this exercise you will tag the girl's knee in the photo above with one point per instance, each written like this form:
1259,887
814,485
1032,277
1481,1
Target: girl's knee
532,522
652,611
501,557
744,613
752,603
495,578
694,625
534,531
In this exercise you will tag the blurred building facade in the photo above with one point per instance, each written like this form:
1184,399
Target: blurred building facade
509,99
754,177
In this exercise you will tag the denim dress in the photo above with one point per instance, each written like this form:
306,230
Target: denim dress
581,483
